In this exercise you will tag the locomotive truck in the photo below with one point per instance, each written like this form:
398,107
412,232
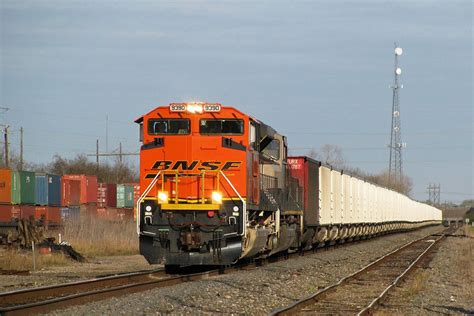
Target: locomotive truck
218,187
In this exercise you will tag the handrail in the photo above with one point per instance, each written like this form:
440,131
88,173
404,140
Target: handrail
144,194
244,205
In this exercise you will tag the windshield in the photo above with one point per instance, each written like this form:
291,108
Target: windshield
168,126
222,126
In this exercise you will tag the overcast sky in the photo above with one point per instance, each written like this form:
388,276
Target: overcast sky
317,71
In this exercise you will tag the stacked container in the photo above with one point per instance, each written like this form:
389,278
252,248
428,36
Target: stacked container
79,191
17,195
23,187
48,189
107,195
48,198
125,196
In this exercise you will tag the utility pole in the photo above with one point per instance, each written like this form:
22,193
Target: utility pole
21,148
120,152
107,134
97,156
5,133
396,145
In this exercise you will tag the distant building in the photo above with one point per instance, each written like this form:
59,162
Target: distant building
470,215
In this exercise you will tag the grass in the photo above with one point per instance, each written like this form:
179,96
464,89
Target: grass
469,230
23,260
416,284
92,236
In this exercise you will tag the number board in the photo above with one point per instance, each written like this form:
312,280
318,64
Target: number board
178,107
212,107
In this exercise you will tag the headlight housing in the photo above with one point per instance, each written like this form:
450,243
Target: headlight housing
162,197
216,197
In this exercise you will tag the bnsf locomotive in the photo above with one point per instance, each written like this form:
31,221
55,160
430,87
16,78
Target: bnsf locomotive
217,186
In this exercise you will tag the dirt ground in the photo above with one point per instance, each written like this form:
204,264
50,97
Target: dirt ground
444,287
74,271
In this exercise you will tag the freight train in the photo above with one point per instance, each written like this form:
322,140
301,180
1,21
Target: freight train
218,187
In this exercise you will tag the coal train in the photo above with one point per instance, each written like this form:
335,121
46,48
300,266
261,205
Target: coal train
218,187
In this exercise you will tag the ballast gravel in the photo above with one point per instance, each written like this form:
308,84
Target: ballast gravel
444,287
258,291
75,271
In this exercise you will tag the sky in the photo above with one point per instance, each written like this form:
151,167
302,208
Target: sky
318,72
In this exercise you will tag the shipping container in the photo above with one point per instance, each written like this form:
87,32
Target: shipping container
88,187
70,192
5,186
107,195
125,214
23,211
115,214
306,171
23,187
54,190
48,214
136,193
70,213
6,213
88,210
41,188
124,196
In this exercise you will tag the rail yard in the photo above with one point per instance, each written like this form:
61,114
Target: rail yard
312,239
280,283
236,158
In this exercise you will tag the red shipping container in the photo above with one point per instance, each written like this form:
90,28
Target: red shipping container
49,214
88,209
16,211
5,213
70,192
107,195
27,211
125,214
88,187
136,192
41,213
54,214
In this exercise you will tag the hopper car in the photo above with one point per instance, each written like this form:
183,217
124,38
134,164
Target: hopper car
217,186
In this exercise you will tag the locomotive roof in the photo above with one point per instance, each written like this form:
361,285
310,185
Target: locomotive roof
140,119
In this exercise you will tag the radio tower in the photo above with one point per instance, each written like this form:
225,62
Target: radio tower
396,145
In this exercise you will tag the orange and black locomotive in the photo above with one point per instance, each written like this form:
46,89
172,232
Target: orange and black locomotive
212,178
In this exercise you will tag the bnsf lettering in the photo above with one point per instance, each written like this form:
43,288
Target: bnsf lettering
210,165
196,165
184,165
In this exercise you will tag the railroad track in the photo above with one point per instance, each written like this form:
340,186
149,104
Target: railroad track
49,298
360,292
45,299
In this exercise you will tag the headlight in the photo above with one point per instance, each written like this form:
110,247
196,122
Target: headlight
216,197
162,197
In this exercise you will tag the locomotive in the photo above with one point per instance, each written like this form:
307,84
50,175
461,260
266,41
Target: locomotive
218,187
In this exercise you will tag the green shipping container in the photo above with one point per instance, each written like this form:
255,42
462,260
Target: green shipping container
124,196
23,187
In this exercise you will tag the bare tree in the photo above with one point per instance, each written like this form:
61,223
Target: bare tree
312,153
332,155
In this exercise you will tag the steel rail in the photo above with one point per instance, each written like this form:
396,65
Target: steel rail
369,307
48,298
296,306
81,292
19,296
